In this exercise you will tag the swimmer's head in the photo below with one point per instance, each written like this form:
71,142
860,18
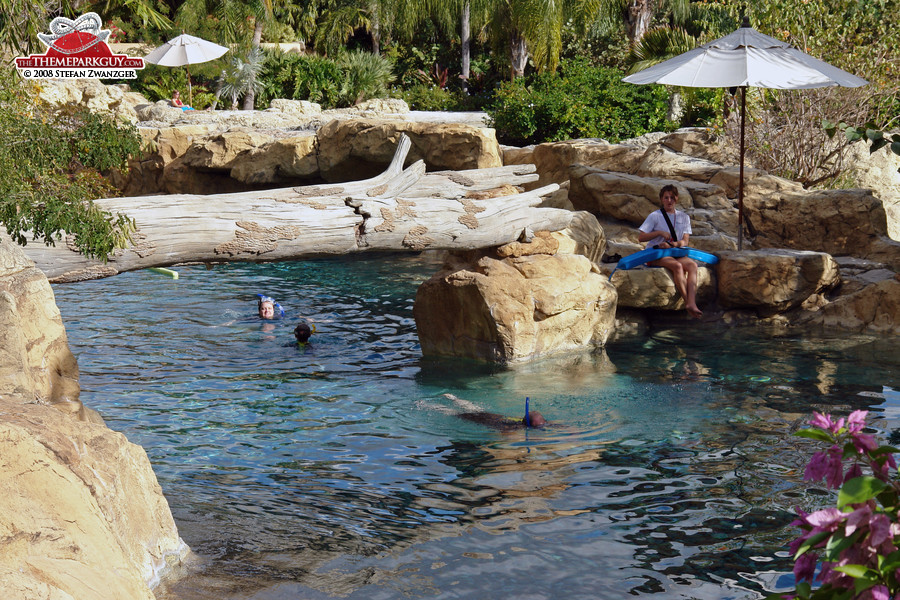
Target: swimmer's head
534,419
302,332
268,306
266,309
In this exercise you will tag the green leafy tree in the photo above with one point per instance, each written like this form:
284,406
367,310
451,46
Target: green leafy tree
51,168
580,101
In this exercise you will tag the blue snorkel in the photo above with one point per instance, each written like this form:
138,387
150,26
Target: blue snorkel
264,298
527,418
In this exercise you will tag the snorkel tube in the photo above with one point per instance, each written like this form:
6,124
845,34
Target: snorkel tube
263,298
527,418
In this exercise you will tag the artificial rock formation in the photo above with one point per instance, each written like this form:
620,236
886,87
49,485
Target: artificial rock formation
874,309
205,158
524,300
81,512
654,288
774,281
36,364
619,183
362,147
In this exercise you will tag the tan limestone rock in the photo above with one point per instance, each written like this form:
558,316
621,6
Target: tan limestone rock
553,159
222,151
160,111
68,94
515,309
81,512
662,161
296,107
279,161
543,243
28,306
654,288
773,280
359,148
880,172
170,143
875,309
84,516
701,142
840,222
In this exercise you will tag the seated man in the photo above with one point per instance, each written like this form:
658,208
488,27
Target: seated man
671,228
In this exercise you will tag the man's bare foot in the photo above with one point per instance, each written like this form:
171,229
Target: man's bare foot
695,312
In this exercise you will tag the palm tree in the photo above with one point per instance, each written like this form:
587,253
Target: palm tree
242,78
233,17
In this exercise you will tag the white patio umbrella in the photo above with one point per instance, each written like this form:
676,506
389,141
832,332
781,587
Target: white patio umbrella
183,51
745,58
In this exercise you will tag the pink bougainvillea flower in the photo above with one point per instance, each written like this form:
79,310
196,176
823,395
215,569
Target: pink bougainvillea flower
879,530
824,422
856,421
863,442
879,592
805,567
826,519
858,518
834,473
826,465
853,472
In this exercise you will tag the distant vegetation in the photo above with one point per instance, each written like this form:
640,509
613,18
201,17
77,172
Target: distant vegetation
544,70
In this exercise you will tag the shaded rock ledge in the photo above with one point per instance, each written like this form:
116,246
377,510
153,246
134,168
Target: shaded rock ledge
84,515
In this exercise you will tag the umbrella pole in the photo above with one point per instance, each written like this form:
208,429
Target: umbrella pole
741,180
191,99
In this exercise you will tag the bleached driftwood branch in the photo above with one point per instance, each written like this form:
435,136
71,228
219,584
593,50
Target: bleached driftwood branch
401,209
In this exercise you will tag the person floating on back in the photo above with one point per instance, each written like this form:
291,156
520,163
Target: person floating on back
671,228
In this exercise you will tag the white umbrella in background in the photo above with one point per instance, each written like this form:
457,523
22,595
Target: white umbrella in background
183,51
745,58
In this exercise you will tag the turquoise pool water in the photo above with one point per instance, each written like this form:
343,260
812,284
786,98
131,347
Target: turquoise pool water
333,470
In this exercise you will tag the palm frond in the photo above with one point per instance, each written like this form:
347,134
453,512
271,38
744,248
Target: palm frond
659,44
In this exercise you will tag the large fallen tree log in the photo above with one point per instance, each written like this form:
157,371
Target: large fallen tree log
401,209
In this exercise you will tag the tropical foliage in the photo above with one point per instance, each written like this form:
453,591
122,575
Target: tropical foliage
332,83
581,101
51,167
566,57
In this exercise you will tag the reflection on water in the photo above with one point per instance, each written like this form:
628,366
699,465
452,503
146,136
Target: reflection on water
331,470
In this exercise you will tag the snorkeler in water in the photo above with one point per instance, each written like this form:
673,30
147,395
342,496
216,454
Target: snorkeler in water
268,307
302,332
474,413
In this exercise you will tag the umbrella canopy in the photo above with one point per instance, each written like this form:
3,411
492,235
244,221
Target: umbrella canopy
745,58
183,51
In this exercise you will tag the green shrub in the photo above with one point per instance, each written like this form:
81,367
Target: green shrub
366,76
50,170
578,101
354,77
300,77
428,97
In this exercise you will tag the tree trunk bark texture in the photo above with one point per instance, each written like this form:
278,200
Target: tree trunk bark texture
518,54
250,96
465,37
401,209
637,17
